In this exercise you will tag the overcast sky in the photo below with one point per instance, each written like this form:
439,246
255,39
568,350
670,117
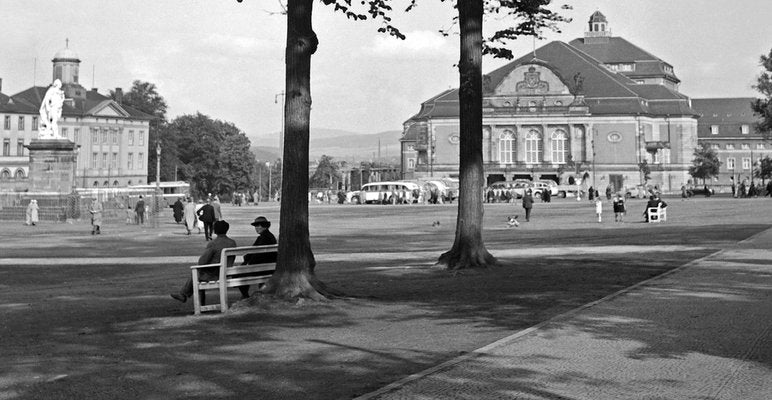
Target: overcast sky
225,59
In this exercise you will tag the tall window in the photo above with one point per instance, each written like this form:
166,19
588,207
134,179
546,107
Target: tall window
141,138
559,147
34,123
141,161
94,136
746,163
65,132
113,160
20,147
104,135
76,134
7,123
533,147
94,160
131,138
6,147
114,134
104,160
21,122
730,163
130,161
411,163
507,147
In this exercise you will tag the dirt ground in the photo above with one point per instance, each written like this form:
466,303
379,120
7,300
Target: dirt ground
90,317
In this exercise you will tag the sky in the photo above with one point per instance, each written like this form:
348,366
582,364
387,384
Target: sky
226,59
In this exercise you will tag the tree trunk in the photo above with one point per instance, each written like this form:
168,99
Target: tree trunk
295,264
468,250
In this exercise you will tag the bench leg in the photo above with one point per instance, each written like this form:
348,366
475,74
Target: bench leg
223,296
196,294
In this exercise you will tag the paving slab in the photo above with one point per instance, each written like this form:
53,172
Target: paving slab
702,331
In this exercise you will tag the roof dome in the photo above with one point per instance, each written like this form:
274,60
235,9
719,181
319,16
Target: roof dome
66,54
597,16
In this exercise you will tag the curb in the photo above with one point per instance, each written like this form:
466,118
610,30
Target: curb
519,334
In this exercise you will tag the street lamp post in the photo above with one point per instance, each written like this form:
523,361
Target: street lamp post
260,185
157,181
268,164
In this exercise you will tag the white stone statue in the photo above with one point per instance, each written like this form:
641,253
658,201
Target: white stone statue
51,111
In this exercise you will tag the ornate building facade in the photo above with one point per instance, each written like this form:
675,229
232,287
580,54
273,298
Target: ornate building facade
112,137
593,110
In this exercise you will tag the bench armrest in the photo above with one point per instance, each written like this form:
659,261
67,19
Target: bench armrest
204,266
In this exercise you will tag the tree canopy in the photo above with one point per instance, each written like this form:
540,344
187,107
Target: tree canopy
763,107
705,164
326,174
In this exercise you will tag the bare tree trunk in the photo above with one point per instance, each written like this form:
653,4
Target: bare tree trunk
294,275
468,250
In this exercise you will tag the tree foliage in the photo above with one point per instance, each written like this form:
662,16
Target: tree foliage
705,164
212,155
326,174
763,107
764,171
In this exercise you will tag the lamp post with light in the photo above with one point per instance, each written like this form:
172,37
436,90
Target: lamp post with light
157,182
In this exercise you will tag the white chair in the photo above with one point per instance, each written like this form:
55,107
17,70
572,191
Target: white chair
657,214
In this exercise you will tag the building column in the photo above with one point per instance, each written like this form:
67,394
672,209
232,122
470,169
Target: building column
546,151
520,143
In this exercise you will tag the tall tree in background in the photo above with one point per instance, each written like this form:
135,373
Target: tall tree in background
763,107
468,249
144,97
326,173
705,164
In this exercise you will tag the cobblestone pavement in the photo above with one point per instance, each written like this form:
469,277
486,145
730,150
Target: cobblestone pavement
702,331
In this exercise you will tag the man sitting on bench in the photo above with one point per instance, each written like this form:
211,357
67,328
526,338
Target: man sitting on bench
264,237
211,256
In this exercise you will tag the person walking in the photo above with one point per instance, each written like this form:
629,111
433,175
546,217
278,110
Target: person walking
32,212
599,209
96,216
527,204
139,208
217,209
178,210
189,215
205,214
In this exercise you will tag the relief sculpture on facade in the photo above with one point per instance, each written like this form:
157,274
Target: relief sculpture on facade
532,82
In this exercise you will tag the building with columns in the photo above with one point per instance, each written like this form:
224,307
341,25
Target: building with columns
112,137
592,110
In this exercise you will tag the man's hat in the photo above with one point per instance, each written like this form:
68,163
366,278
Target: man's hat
261,221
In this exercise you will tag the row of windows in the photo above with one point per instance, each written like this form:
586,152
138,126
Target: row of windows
5,174
534,153
7,147
744,129
101,161
730,163
743,146
20,123
105,135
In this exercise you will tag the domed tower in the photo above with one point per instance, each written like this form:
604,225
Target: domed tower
66,69
597,31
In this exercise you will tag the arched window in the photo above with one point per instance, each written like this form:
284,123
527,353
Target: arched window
559,147
106,184
533,147
19,174
129,183
115,183
5,174
96,183
507,147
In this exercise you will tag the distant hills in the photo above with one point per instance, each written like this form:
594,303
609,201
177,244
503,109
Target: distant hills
339,144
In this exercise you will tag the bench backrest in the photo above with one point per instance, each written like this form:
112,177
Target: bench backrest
228,256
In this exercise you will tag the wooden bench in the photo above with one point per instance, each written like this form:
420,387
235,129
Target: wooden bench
227,272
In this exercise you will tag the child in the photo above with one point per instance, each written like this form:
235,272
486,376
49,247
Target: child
598,208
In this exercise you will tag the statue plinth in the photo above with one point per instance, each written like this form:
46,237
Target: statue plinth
52,165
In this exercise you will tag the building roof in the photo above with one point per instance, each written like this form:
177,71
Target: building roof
66,54
90,104
725,110
605,92
618,50
597,16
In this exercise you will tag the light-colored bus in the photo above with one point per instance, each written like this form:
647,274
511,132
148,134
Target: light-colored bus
385,193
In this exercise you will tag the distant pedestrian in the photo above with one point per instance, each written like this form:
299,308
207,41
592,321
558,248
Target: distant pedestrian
139,208
96,216
527,204
189,215
619,207
205,214
32,212
599,209
608,192
591,194
217,209
178,210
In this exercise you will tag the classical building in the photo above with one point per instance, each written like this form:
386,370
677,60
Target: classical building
593,110
111,136
726,125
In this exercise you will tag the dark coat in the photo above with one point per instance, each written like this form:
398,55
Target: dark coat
527,201
263,239
206,213
178,209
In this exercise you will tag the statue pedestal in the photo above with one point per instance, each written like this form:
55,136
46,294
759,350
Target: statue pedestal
52,165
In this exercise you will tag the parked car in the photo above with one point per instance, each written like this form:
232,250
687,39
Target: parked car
518,186
540,186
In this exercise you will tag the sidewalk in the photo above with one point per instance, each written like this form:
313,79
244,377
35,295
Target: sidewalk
703,331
